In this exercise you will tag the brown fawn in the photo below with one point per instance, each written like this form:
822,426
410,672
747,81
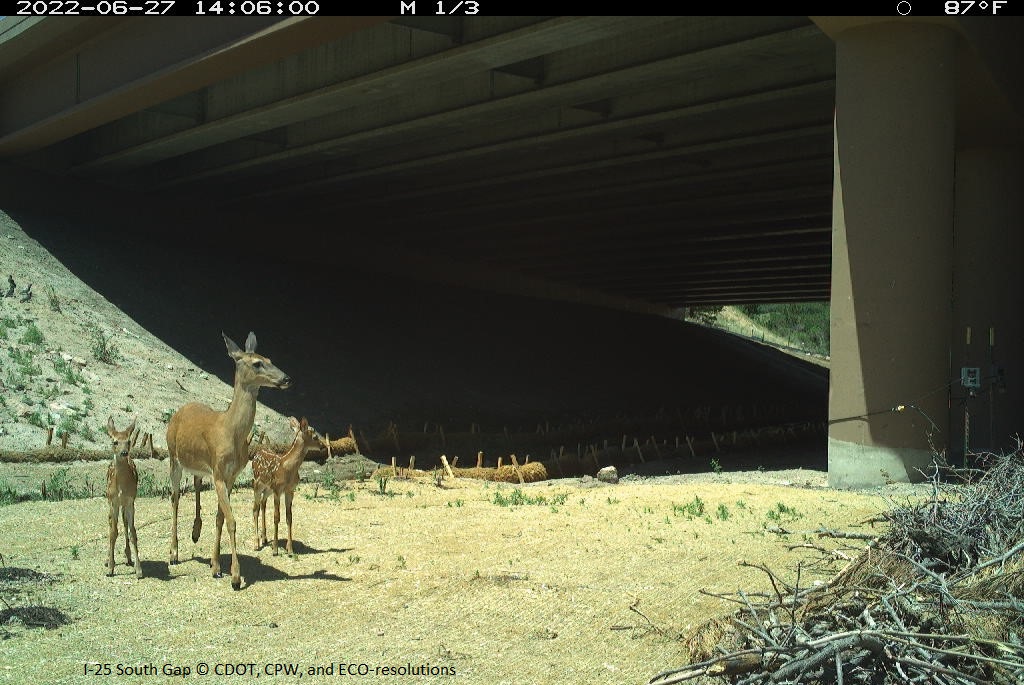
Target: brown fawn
122,486
279,473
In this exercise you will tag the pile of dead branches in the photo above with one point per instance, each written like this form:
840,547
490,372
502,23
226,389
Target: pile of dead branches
938,598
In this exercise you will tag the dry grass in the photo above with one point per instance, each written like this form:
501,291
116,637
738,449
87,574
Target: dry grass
526,594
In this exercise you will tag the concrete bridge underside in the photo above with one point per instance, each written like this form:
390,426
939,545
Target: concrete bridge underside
640,163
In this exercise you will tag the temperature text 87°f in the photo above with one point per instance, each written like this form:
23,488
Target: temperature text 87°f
462,7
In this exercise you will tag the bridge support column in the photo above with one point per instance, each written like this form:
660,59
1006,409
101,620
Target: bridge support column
891,251
988,299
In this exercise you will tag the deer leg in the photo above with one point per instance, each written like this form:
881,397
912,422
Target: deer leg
256,520
263,519
127,537
129,531
288,515
277,517
175,496
112,539
197,525
215,557
223,499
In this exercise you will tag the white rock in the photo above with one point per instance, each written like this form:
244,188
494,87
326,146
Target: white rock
609,474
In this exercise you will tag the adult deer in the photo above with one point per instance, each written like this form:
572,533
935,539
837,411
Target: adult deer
212,443
279,473
122,486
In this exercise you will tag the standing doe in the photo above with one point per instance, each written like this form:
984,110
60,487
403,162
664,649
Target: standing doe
122,486
205,442
277,473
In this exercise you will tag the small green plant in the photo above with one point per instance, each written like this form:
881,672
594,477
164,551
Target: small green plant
353,558
716,466
166,415
352,496
67,424
53,299
59,486
613,500
690,510
456,503
722,513
86,431
517,498
401,562
781,512
36,419
382,483
102,346
361,472
74,552
127,409
31,336
740,504
8,495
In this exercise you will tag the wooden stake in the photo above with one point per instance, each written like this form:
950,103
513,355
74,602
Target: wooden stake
352,435
447,468
515,467
479,460
64,440
412,462
636,444
327,441
499,462
455,460
152,450
49,436
394,466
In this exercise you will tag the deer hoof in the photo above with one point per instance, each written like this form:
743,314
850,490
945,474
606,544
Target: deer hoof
236,584
218,574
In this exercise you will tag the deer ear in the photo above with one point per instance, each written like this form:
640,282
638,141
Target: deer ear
131,426
303,424
250,342
233,349
110,426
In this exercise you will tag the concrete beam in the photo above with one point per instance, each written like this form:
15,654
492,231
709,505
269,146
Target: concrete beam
365,90
449,116
92,83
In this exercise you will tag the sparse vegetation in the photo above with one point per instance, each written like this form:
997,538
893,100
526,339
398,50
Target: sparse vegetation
804,324
53,299
691,510
782,512
517,498
31,336
102,346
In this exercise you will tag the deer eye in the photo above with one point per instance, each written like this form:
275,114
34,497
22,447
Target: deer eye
257,364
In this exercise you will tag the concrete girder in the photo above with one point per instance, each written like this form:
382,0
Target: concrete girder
93,84
456,116
379,84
